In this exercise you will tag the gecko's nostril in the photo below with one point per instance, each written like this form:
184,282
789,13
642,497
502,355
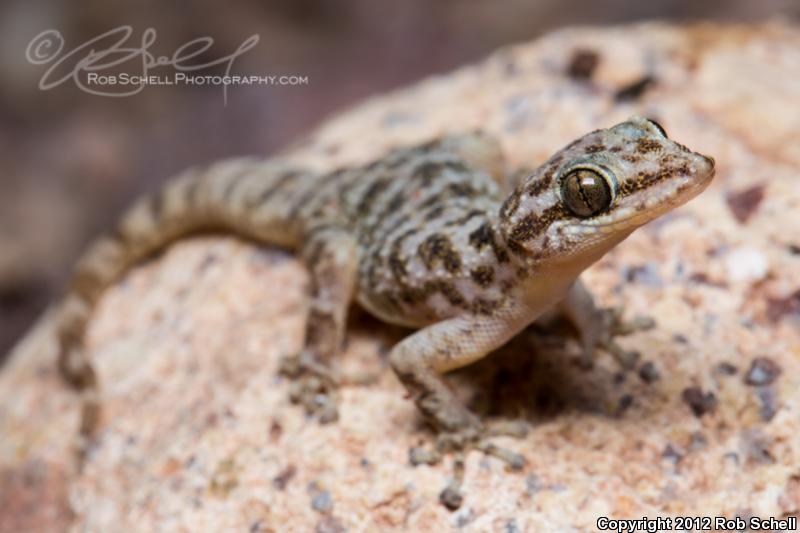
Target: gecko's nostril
709,160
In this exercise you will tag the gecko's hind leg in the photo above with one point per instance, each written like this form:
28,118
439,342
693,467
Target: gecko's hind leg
598,328
418,361
330,254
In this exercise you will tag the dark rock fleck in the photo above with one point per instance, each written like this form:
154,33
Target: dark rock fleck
726,369
769,402
649,373
680,338
672,454
329,524
645,274
794,249
625,403
703,279
698,441
743,204
755,447
777,308
635,90
763,371
281,480
275,431
732,457
583,64
700,402
451,498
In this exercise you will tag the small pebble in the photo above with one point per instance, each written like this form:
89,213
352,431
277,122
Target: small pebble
777,308
769,402
625,402
646,274
649,373
281,480
763,371
700,402
726,369
322,502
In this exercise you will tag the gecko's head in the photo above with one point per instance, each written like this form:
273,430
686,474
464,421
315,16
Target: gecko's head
597,190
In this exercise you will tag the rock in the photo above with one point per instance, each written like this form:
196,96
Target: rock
746,264
649,373
700,402
198,432
763,371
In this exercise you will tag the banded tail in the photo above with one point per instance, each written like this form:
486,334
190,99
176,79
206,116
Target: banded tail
249,197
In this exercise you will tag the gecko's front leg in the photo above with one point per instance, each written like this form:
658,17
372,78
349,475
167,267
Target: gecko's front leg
598,327
330,253
420,359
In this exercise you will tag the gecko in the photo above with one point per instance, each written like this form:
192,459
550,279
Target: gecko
426,237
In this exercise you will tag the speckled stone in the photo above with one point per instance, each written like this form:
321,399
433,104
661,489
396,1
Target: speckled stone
198,433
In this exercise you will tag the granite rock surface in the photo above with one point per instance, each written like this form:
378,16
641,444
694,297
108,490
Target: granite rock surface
199,434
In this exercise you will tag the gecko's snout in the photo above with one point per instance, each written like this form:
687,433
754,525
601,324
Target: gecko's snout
705,167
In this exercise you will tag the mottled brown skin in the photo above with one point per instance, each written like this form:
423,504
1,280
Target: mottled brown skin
423,237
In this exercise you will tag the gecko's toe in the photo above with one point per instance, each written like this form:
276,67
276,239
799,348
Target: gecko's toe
458,443
517,429
614,326
312,386
419,455
451,496
627,359
515,461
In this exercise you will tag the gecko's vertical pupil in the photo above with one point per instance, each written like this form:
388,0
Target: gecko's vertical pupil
585,192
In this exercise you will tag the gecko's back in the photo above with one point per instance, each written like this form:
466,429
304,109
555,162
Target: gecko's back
380,204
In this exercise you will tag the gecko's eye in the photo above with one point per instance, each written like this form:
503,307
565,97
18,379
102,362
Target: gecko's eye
586,192
659,127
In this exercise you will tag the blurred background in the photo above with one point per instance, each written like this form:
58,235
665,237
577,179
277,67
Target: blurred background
71,161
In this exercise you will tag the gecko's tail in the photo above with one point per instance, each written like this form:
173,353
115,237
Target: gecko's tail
245,196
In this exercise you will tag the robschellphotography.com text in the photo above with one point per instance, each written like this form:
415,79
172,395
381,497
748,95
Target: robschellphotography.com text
181,78
697,523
